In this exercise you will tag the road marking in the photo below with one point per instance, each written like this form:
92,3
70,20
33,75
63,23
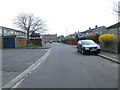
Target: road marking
16,81
17,84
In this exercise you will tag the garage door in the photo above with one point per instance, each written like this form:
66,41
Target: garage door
9,42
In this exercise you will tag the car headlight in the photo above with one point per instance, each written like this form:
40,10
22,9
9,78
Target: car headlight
98,47
86,48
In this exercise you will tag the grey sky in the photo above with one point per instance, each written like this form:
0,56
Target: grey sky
75,15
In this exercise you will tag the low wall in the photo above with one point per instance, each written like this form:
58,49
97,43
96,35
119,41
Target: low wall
111,48
21,42
1,43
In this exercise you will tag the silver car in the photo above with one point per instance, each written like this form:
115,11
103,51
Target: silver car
88,46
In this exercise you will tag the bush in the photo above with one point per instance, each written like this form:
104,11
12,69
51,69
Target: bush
70,41
92,37
107,39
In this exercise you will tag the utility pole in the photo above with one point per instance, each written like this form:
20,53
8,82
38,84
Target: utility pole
66,31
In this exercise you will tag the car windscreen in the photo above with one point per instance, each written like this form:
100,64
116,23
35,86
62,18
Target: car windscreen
87,43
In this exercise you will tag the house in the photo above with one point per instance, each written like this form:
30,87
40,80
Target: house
11,38
100,30
49,37
114,29
79,34
71,36
4,31
60,38
96,30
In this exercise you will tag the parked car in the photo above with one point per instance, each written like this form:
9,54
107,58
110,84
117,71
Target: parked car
88,46
50,41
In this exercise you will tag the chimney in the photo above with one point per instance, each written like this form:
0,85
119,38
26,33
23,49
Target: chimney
96,26
89,28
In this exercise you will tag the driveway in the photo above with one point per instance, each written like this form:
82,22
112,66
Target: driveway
15,61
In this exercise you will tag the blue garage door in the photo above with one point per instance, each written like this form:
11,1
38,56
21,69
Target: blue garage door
9,42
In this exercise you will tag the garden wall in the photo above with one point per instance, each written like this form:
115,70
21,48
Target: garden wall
111,48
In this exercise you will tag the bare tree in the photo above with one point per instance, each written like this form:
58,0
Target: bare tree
116,9
29,23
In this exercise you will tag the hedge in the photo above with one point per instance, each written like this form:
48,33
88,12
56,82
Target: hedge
92,37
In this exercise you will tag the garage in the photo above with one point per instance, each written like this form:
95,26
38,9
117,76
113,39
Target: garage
9,42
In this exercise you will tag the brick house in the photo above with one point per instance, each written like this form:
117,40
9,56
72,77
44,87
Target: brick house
48,37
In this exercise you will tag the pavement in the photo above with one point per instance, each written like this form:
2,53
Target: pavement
110,56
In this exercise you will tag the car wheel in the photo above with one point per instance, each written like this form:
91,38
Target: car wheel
83,52
78,50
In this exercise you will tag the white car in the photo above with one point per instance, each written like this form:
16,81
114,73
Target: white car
88,46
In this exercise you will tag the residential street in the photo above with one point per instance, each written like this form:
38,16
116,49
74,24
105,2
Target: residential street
66,68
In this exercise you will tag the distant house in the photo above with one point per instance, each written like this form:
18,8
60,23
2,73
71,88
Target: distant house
34,35
79,34
35,39
71,36
50,37
96,30
88,32
61,37
114,29
100,30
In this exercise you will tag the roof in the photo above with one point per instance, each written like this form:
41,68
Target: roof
117,25
12,29
49,35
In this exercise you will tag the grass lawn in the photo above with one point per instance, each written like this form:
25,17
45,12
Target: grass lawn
30,47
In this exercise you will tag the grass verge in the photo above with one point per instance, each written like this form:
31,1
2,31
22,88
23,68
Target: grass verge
30,47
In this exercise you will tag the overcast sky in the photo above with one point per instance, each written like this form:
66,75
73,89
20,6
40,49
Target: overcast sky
61,16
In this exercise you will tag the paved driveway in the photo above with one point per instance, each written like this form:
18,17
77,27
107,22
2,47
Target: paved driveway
15,61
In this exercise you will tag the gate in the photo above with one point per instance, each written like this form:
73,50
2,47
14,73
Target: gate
9,42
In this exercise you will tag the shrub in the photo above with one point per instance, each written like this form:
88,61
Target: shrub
92,37
107,39
70,41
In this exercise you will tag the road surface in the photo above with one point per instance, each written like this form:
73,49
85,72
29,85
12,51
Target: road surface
66,68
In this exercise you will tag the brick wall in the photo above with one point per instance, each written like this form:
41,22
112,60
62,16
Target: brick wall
21,42
1,44
37,42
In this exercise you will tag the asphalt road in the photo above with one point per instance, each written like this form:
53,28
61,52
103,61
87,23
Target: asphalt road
66,68
15,61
